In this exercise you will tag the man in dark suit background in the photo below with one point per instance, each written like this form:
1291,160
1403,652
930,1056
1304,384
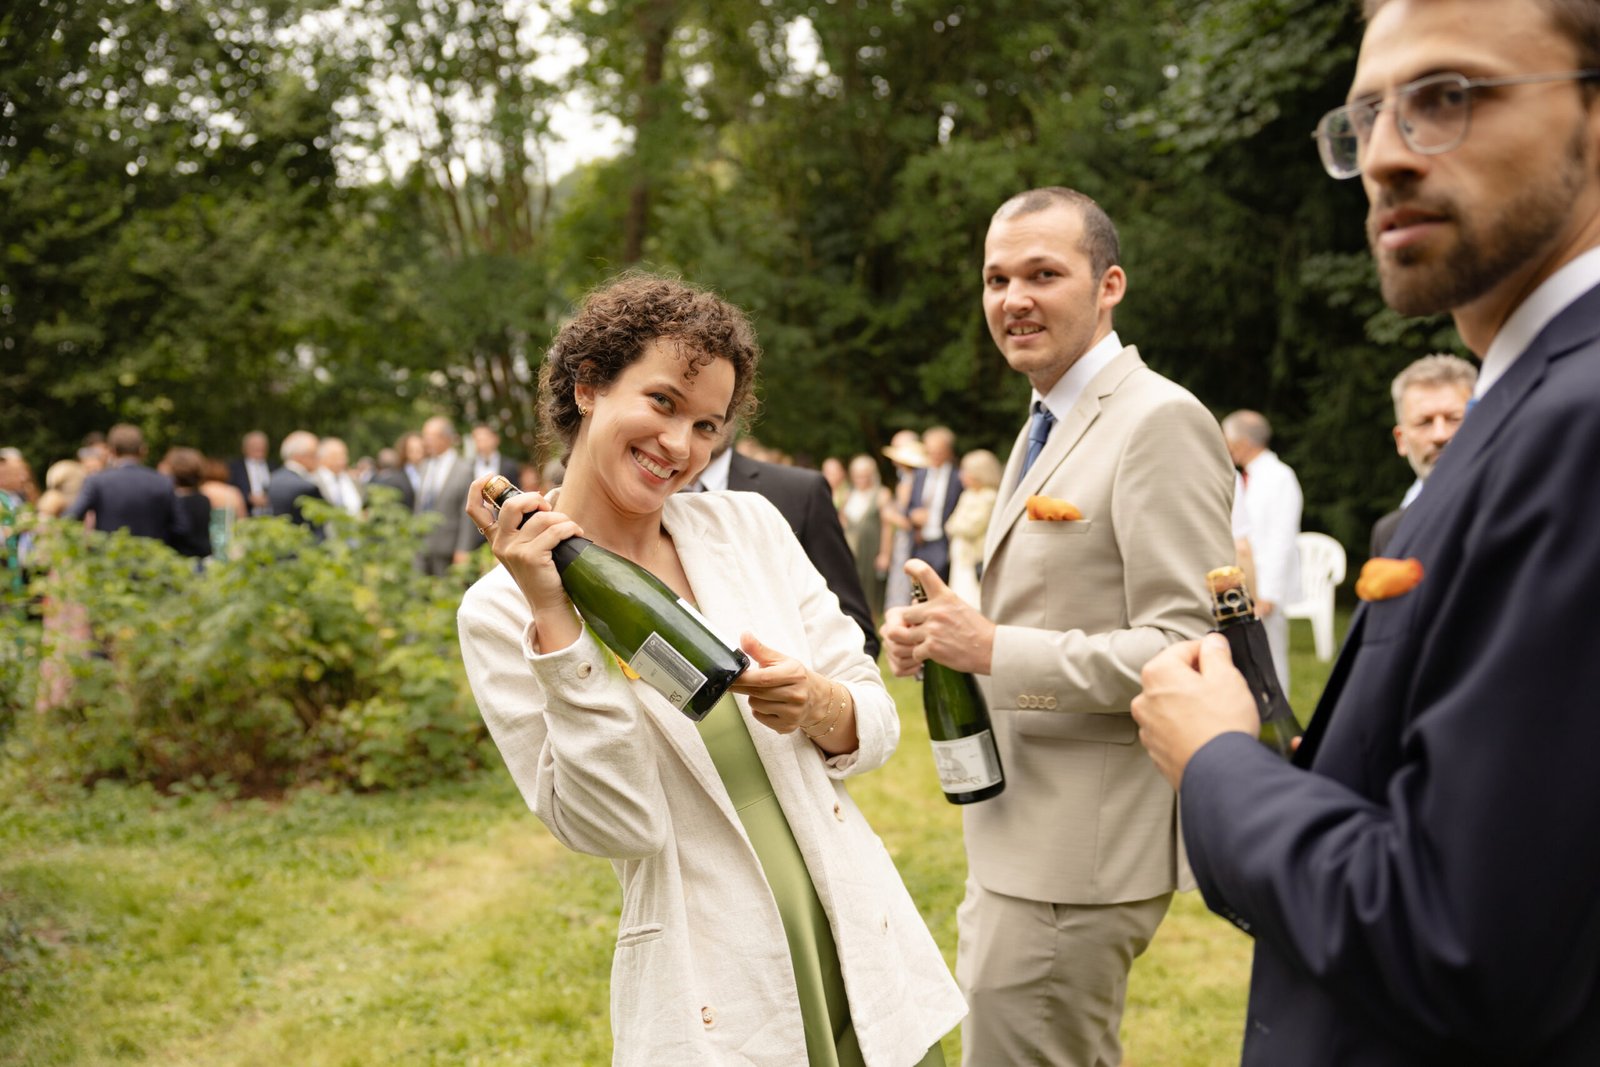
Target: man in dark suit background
251,473
1430,400
127,495
1420,882
486,458
293,482
804,499
446,480
934,492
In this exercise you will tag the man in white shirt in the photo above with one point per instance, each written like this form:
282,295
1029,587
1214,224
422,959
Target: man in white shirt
333,475
1273,502
1419,879
486,457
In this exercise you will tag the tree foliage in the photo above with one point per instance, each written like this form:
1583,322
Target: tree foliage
226,213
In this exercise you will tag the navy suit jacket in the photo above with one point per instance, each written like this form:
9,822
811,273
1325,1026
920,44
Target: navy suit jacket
807,504
935,553
285,492
132,497
1424,883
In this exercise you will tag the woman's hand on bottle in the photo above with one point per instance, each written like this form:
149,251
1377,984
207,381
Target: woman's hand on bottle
785,696
523,538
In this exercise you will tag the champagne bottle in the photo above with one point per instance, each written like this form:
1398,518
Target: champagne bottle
964,752
648,626
1235,614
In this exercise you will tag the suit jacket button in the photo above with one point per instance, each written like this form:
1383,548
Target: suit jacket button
708,1017
838,812
585,669
1050,703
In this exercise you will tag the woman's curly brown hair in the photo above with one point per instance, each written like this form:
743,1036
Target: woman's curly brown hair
614,324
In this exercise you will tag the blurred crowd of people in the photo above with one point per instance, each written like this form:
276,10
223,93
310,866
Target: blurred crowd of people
191,501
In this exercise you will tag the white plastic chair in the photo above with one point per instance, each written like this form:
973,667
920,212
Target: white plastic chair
1322,567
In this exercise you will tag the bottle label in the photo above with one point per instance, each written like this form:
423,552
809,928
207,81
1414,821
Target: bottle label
666,671
967,764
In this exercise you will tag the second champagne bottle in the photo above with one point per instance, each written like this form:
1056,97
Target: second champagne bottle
964,753
639,618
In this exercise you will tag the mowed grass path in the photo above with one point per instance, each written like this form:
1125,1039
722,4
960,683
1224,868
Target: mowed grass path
442,926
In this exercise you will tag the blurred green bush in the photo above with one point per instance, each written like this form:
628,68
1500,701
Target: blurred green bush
295,661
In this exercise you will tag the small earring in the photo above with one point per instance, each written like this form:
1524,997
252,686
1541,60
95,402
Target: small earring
583,412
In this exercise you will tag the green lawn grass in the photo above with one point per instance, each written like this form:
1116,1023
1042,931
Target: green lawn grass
440,926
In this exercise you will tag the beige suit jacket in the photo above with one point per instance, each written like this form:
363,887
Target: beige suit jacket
701,973
1081,606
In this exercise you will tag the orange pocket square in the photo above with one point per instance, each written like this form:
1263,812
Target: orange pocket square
1049,509
1384,579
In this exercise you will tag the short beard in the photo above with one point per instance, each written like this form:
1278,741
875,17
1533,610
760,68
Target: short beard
1485,256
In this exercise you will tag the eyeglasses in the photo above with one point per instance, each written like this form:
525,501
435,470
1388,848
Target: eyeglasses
1432,115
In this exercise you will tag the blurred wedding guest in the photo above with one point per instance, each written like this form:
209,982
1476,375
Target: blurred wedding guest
251,473
862,517
228,505
551,475
128,495
803,499
1430,400
13,550
62,482
486,458
333,476
186,468
413,454
838,480
93,453
969,522
1273,502
905,451
934,492
295,481
446,477
224,495
763,920
390,474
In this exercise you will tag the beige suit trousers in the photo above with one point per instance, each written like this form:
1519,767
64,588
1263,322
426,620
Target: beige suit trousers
1045,983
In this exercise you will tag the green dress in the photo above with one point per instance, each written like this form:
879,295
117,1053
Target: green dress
830,1037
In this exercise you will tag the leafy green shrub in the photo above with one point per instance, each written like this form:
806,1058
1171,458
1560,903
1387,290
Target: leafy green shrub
294,661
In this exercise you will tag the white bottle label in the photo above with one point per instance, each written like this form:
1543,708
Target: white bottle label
967,764
666,671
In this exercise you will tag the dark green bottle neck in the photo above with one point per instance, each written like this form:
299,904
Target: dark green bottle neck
567,552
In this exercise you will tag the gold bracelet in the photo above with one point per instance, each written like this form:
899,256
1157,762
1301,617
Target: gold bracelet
832,720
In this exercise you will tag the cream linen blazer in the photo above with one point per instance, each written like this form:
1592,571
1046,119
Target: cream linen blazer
701,973
1081,606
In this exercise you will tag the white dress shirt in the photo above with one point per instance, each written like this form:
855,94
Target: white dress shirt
1273,501
935,491
1071,385
1552,297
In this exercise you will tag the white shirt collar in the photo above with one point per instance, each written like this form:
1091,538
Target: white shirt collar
715,476
1552,297
1066,391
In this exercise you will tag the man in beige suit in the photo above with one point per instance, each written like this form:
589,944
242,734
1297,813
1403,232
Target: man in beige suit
1071,869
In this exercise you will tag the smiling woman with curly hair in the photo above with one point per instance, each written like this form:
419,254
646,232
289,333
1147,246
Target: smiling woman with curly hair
762,920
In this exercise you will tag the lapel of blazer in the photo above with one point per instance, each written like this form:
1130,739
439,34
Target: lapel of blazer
1068,431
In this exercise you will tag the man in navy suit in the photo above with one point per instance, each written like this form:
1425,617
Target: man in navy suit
1422,881
934,492
251,473
127,495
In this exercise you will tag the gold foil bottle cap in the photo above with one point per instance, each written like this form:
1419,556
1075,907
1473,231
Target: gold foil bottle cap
497,489
1229,597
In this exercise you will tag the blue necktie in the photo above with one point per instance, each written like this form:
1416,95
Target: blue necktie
1038,434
